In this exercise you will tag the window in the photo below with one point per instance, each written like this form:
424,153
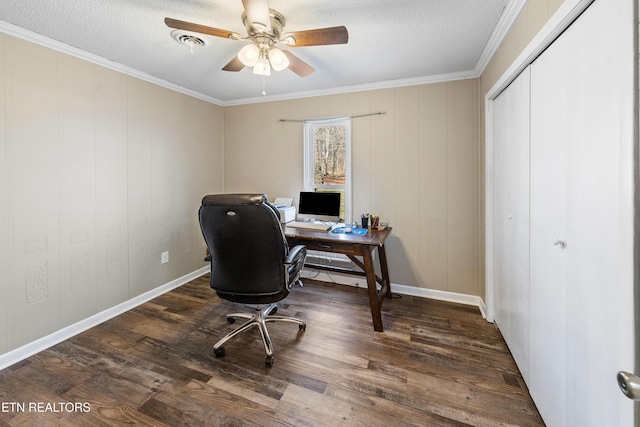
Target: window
327,159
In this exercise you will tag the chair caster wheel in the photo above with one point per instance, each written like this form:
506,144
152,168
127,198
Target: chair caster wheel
302,327
219,352
268,361
231,320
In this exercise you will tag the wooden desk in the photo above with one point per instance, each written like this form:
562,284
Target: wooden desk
352,245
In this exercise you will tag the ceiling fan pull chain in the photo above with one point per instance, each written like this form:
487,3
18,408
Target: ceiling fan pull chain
264,86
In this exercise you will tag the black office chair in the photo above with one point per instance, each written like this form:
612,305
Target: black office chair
250,260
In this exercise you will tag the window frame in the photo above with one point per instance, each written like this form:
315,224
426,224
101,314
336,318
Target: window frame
308,169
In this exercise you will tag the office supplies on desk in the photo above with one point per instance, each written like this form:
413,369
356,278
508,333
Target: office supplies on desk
365,220
310,225
349,230
287,212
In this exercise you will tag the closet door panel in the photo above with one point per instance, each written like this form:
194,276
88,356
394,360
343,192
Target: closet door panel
581,221
581,195
511,217
600,214
549,113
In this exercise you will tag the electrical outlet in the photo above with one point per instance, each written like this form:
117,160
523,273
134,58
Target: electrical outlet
164,257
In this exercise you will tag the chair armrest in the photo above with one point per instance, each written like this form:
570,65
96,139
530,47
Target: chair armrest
294,263
295,253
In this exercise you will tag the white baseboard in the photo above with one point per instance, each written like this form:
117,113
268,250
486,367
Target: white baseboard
440,295
344,279
27,350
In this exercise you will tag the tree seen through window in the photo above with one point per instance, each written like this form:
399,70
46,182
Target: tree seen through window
327,159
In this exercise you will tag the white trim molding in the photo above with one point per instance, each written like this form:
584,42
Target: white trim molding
14,356
508,17
27,350
560,21
346,280
454,297
511,12
41,40
389,84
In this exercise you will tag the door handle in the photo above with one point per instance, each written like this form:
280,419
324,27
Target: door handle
560,243
629,384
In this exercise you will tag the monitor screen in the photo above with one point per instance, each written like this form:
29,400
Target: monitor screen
321,206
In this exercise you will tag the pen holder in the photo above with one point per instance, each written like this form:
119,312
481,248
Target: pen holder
365,222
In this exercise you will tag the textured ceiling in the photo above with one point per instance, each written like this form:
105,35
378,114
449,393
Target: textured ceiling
389,41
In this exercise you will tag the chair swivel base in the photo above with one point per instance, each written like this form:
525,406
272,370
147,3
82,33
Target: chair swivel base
263,314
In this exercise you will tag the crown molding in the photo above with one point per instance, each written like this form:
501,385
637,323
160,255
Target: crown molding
389,84
508,17
510,14
564,16
47,42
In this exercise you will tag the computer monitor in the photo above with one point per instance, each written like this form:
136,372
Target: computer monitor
319,206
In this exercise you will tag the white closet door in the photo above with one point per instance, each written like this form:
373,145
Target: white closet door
600,214
511,217
582,193
548,333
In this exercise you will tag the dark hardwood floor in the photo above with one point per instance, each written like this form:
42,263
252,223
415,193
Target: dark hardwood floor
436,364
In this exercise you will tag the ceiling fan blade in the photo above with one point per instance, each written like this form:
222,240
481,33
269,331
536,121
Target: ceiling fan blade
298,66
318,37
197,28
258,14
234,65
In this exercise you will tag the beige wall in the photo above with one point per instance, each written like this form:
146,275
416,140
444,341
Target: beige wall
530,21
99,174
416,166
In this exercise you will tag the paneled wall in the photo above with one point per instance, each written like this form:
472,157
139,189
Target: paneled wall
99,173
534,14
416,166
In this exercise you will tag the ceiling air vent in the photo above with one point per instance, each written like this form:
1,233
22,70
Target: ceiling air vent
188,39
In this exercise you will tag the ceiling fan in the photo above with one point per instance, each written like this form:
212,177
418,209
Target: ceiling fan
264,30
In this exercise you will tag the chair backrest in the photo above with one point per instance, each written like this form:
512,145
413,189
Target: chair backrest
247,247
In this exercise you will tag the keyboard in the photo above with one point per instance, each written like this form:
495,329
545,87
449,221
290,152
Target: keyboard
320,226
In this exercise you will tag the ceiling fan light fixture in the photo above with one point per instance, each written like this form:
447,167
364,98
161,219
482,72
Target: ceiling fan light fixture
249,55
264,29
278,59
262,67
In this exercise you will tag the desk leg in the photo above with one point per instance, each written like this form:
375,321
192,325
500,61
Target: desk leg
384,270
372,289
